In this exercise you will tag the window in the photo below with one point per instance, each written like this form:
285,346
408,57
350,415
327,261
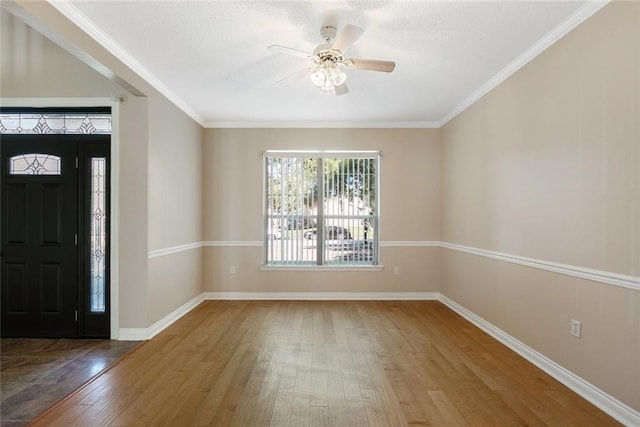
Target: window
56,121
98,236
321,208
34,164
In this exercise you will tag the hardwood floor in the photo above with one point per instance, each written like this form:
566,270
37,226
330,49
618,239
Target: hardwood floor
322,363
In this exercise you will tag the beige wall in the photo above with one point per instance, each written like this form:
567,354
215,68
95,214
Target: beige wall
175,176
419,272
173,281
31,64
547,166
409,211
133,212
175,207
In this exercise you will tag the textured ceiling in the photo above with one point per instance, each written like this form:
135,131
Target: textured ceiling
211,58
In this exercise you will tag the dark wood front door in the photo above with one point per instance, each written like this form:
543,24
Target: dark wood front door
43,255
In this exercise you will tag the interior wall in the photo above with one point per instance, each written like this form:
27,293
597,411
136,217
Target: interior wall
409,211
133,306
34,67
546,166
175,207
160,168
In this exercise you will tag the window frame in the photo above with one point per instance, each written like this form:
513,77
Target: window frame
320,216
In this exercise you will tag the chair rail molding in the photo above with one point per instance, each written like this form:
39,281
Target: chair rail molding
615,279
608,277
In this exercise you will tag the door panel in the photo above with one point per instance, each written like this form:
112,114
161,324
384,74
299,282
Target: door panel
16,230
51,287
39,253
51,225
16,288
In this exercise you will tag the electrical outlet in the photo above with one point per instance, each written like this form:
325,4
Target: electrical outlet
396,270
576,328
232,269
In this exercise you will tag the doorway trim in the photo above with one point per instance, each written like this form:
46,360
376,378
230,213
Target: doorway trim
112,102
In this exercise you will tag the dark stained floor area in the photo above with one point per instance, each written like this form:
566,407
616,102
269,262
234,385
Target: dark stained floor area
35,373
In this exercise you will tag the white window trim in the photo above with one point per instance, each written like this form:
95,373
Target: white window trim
324,154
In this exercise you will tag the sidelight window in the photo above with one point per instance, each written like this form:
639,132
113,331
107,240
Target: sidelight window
98,234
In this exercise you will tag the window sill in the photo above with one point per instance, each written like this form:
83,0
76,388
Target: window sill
322,267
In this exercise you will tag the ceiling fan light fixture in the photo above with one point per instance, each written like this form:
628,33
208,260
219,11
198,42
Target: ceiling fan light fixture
337,77
319,77
328,78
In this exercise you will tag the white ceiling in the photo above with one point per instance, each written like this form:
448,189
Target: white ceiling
211,57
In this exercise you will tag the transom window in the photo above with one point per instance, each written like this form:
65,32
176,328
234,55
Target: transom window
321,208
57,121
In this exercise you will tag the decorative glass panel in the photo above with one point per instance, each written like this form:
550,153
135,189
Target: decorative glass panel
34,164
55,123
97,234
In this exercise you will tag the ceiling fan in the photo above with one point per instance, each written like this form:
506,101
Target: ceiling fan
328,58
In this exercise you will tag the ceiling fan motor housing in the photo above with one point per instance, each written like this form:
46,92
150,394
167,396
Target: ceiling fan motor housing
327,58
328,33
324,55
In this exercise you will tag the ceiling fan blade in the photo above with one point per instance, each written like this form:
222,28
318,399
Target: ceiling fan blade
298,74
342,89
350,34
289,51
370,64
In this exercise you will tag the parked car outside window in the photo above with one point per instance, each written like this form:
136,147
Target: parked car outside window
330,232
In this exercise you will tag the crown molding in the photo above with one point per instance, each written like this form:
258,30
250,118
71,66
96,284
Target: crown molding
66,8
323,124
73,14
541,45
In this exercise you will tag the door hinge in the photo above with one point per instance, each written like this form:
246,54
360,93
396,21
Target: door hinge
76,316
77,162
76,239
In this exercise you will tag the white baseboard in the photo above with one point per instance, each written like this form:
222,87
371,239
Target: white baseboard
142,334
616,409
133,334
368,296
